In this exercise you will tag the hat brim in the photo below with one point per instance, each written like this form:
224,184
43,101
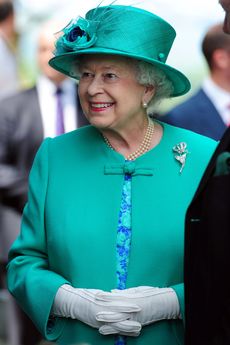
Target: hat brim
180,82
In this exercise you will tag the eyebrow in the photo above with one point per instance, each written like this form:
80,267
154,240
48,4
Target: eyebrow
84,65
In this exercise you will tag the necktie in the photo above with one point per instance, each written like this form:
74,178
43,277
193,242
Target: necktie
60,129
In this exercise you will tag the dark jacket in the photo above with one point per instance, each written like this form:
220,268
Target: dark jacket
207,254
21,133
197,114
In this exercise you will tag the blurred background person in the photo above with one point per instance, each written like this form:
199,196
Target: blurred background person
207,112
9,75
49,108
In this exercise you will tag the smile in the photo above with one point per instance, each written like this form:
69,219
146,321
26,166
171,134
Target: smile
101,106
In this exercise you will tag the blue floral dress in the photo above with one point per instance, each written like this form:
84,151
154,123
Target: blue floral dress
123,242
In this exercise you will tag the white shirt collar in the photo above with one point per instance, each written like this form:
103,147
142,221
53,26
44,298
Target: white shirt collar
47,100
219,97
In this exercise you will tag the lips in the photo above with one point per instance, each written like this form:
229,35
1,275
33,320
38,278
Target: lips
101,106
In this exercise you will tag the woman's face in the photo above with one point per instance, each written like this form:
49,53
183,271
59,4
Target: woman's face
110,95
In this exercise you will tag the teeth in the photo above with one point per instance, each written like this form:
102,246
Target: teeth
101,105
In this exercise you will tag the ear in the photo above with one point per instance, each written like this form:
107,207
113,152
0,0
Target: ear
149,92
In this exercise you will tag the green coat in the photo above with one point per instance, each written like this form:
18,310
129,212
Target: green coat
69,227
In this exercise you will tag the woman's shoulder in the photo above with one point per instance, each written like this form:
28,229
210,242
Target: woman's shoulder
83,136
77,142
193,141
82,133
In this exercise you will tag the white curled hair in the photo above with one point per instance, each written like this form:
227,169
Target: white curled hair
148,74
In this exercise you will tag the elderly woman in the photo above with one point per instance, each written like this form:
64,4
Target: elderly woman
100,256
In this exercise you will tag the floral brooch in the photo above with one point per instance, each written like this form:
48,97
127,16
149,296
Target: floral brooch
78,34
181,154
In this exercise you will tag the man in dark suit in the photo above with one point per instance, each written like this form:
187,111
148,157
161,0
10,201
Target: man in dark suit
207,248
207,112
26,118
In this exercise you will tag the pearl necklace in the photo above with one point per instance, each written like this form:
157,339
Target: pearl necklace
144,146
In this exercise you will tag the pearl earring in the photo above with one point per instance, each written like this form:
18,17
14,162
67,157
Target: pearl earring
145,105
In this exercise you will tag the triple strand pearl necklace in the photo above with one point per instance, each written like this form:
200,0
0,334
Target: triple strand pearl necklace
144,146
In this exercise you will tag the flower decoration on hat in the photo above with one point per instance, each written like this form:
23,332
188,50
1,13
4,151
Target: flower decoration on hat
79,34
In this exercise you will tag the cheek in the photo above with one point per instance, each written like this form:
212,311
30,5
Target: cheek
135,92
82,98
80,88
81,92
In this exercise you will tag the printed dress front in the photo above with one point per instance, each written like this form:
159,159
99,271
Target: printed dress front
123,242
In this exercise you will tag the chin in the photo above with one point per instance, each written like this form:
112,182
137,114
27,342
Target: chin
99,125
98,122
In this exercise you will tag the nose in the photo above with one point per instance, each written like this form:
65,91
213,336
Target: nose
95,86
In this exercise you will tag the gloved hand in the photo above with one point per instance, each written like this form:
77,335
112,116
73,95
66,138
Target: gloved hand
127,327
83,305
155,303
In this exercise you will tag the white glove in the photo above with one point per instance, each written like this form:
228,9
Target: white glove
83,305
155,303
127,327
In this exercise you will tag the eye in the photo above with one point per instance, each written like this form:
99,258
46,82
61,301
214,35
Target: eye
110,77
86,75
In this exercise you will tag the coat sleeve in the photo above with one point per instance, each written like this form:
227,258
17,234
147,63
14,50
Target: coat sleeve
29,278
179,289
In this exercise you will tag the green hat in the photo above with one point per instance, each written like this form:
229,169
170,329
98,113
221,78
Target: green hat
119,30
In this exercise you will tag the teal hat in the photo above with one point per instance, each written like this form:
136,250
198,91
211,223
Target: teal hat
119,30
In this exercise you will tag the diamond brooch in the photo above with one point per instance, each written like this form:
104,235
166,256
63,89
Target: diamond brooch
181,154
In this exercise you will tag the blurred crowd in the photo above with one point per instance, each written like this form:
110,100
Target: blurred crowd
46,106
